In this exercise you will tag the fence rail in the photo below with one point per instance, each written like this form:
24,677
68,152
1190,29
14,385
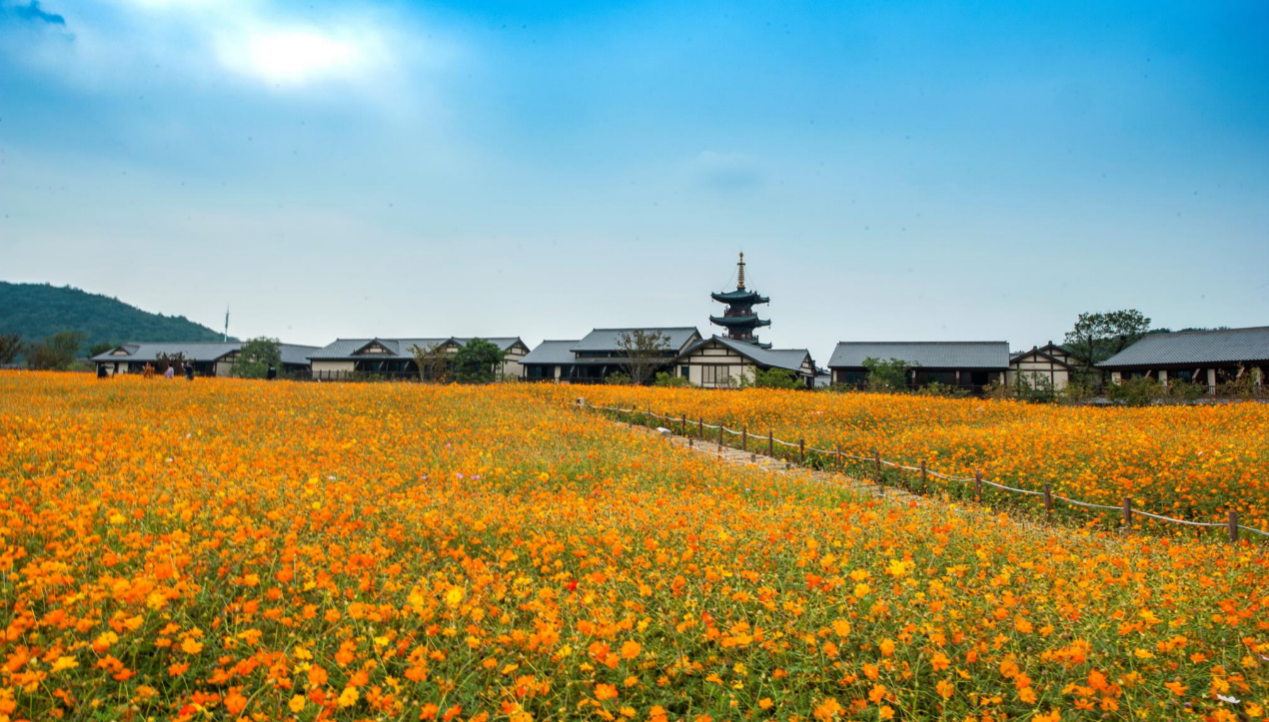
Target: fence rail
1232,526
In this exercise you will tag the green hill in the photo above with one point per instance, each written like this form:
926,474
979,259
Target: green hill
37,310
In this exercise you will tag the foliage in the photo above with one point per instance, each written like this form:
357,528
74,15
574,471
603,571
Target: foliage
432,362
174,360
11,347
887,376
618,378
55,353
643,353
1098,336
100,348
940,389
402,551
776,379
1139,391
667,379
256,356
1195,462
478,362
38,310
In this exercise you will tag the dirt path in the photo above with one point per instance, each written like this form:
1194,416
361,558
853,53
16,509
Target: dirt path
731,455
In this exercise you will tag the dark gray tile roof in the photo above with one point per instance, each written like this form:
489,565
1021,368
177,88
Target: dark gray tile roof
928,354
551,352
1196,347
200,352
790,359
347,348
605,339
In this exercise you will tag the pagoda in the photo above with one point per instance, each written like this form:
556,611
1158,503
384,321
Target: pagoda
739,319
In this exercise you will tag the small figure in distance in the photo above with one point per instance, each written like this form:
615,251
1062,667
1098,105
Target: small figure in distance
170,373
273,373
189,371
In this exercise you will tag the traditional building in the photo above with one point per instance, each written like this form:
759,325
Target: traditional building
740,319
970,365
600,353
1209,358
348,357
722,362
1045,366
550,361
208,359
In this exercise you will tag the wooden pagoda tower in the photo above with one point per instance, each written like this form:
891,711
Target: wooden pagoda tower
740,319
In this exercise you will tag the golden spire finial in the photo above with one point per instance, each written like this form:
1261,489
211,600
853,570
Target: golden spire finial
740,286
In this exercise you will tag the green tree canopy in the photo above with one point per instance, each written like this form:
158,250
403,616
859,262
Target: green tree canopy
889,375
56,352
478,361
256,356
1098,336
11,347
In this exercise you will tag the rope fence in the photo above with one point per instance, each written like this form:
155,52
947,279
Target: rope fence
1232,526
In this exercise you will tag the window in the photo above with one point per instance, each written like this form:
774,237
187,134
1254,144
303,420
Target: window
715,375
685,371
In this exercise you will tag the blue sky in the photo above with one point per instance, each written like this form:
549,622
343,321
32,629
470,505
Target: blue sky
893,171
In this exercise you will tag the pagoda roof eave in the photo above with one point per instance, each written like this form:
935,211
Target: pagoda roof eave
730,321
739,296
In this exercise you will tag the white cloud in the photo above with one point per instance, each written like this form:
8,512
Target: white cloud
110,42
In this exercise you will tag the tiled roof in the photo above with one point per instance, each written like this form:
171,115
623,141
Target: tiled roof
347,348
790,359
1196,347
551,352
606,339
199,352
927,354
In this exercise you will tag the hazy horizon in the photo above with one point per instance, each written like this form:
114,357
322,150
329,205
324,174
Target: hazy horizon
894,172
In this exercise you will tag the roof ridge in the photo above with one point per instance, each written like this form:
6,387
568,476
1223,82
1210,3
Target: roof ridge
927,343
1200,333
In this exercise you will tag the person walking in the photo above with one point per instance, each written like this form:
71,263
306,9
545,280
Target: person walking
273,373
189,371
170,373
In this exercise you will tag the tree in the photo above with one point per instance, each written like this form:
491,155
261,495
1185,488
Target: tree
11,347
775,379
55,353
164,360
478,361
256,356
889,375
1098,336
99,348
644,353
432,361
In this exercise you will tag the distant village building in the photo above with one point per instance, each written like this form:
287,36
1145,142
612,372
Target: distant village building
1047,366
721,362
208,359
550,361
348,357
1209,358
599,354
970,365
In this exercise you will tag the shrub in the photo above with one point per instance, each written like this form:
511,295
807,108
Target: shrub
889,375
668,379
618,378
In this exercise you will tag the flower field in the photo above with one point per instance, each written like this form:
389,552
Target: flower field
248,550
1188,462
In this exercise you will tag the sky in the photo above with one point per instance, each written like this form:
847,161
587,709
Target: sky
891,170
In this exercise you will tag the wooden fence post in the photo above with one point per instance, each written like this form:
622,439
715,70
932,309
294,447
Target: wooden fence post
720,437
801,451
1233,527
683,425
1048,500
841,463
744,439
1128,512
876,461
770,443
978,486
700,424
924,478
